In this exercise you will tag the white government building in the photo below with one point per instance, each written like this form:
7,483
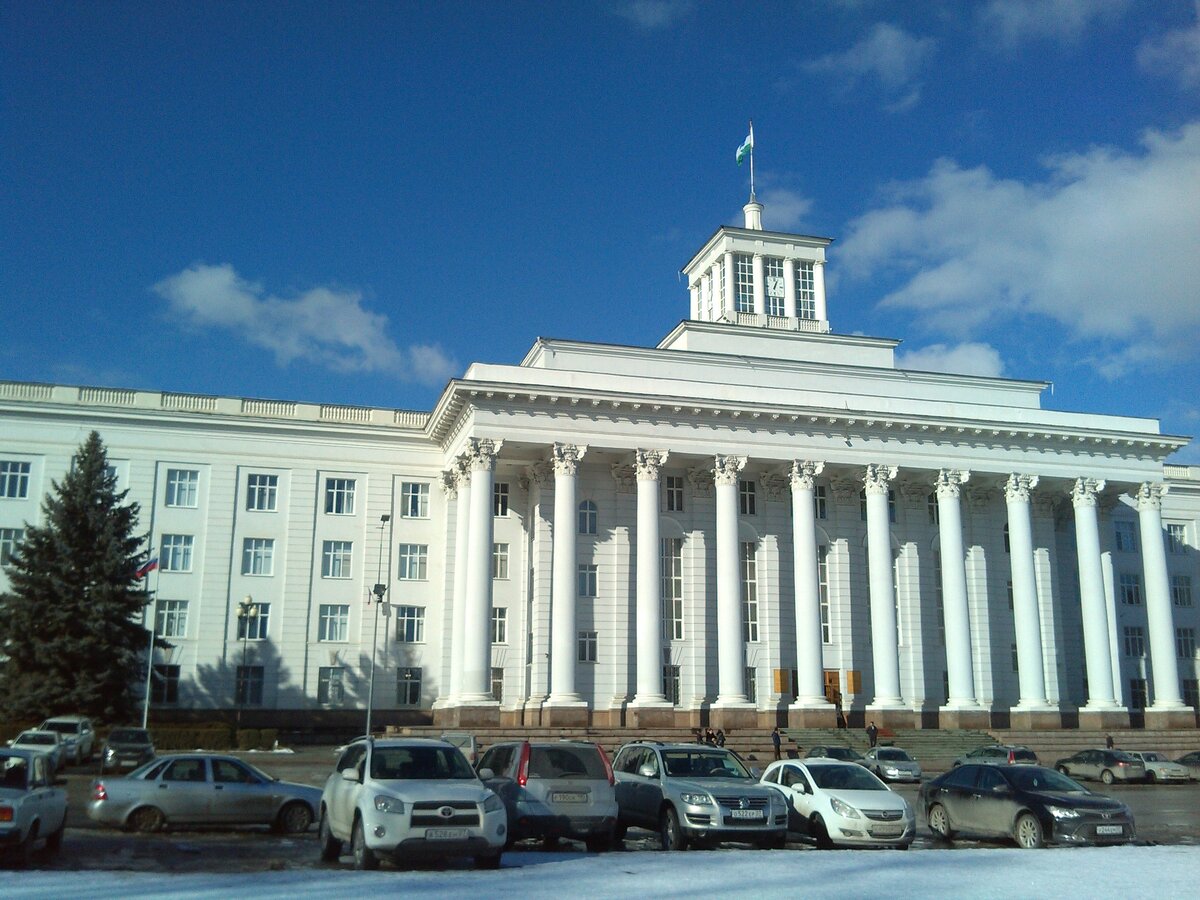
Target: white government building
749,522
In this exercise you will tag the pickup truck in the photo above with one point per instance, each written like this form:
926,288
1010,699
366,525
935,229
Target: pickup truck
33,804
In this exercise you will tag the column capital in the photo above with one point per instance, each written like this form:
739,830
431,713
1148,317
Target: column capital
481,454
649,463
804,472
914,491
1017,487
449,480
727,468
566,457
949,482
538,472
1084,491
877,477
701,481
1150,495
625,477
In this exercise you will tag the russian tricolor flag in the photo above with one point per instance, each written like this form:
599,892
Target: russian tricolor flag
147,567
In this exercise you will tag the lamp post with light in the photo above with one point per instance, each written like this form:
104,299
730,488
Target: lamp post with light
247,613
379,590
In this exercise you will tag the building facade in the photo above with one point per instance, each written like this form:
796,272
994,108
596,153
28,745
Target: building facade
756,520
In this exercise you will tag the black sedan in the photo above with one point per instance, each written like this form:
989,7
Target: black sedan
1031,805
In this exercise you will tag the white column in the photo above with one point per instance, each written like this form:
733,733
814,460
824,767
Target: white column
649,582
760,286
789,288
716,298
810,667
819,290
459,486
727,302
960,669
477,627
1159,618
884,650
1026,616
564,575
704,309
1091,595
731,651
694,293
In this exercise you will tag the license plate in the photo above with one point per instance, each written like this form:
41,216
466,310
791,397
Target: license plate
1110,829
887,832
568,797
745,814
445,834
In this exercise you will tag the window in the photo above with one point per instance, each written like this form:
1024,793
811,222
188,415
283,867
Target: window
743,282
587,517
413,562
672,588
170,618
330,684
253,627
862,505
774,288
249,688
931,504
414,500
1191,692
258,556
823,586
1137,693
497,683
673,493
500,561
1135,641
1015,659
333,622
586,580
746,498
587,646
14,479
10,538
1181,590
499,625
408,687
339,496
500,499
176,554
1008,590
1126,536
410,624
749,592
1007,548
1176,538
939,599
1185,642
335,559
671,683
182,487
806,298
261,492
751,675
164,686
819,502
1131,588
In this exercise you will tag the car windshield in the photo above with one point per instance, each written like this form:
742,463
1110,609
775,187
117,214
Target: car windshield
845,778
1125,757
843,753
1024,755
129,736
894,755
1044,780
36,737
13,771
419,763
566,762
62,727
704,764
1152,756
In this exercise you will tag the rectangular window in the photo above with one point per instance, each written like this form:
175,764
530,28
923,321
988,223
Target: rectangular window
587,646
330,685
176,554
1015,660
749,592
820,504
499,625
1135,641
1176,538
1008,591
258,556
249,685
672,588
587,580
671,683
414,500
14,479
587,517
1131,588
1126,536
1191,692
497,683
183,487
333,623
751,674
823,586
170,618
939,599
253,625
1137,693
743,282
9,539
500,561
408,687
774,287
806,297
261,492
339,496
862,506
413,562
1181,590
1185,642
1007,542
410,624
746,498
500,499
335,558
931,504
673,493
164,686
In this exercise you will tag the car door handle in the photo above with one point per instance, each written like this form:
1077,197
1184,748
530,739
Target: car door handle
162,787
218,787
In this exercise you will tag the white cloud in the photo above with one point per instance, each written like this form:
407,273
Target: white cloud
1175,54
1106,246
888,56
962,359
1012,22
783,209
653,14
322,326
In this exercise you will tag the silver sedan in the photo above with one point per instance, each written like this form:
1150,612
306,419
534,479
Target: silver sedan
202,789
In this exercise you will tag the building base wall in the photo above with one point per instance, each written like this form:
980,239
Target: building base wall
1171,719
484,715
890,718
1103,719
976,719
731,717
656,717
811,717
1037,719
576,715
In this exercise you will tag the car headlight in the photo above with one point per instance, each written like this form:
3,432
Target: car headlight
1061,812
386,804
777,801
493,804
696,799
845,810
892,770
109,752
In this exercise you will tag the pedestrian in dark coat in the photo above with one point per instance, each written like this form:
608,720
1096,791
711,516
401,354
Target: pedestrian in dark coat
872,734
720,737
776,739
1108,741
709,737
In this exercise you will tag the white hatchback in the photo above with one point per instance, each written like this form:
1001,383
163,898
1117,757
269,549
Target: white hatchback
840,804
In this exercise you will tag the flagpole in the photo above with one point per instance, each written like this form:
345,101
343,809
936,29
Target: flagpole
751,159
149,618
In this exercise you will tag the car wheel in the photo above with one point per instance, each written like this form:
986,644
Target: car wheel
618,835
77,757
600,844
488,861
671,831
364,856
1029,832
821,833
1106,776
294,818
147,819
54,841
550,842
1151,777
331,847
23,855
939,822
774,842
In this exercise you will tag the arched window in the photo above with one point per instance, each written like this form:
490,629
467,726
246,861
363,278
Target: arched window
587,517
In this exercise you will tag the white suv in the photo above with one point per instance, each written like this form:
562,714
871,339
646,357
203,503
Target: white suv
408,799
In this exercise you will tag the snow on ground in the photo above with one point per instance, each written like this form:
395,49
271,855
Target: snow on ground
1122,872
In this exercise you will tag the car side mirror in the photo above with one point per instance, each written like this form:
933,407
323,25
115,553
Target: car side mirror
351,774
755,772
648,771
485,774
1001,790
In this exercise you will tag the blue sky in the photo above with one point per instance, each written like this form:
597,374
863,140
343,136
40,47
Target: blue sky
351,202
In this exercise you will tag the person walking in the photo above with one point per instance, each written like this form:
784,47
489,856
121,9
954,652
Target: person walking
872,734
1108,741
720,737
776,740
709,737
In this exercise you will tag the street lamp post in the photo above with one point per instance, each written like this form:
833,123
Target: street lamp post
379,590
148,617
247,613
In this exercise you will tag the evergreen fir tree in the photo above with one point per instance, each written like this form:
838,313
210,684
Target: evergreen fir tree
70,636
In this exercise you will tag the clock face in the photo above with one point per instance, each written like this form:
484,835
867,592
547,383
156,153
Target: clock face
774,286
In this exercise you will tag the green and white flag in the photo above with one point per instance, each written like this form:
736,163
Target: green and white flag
747,146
